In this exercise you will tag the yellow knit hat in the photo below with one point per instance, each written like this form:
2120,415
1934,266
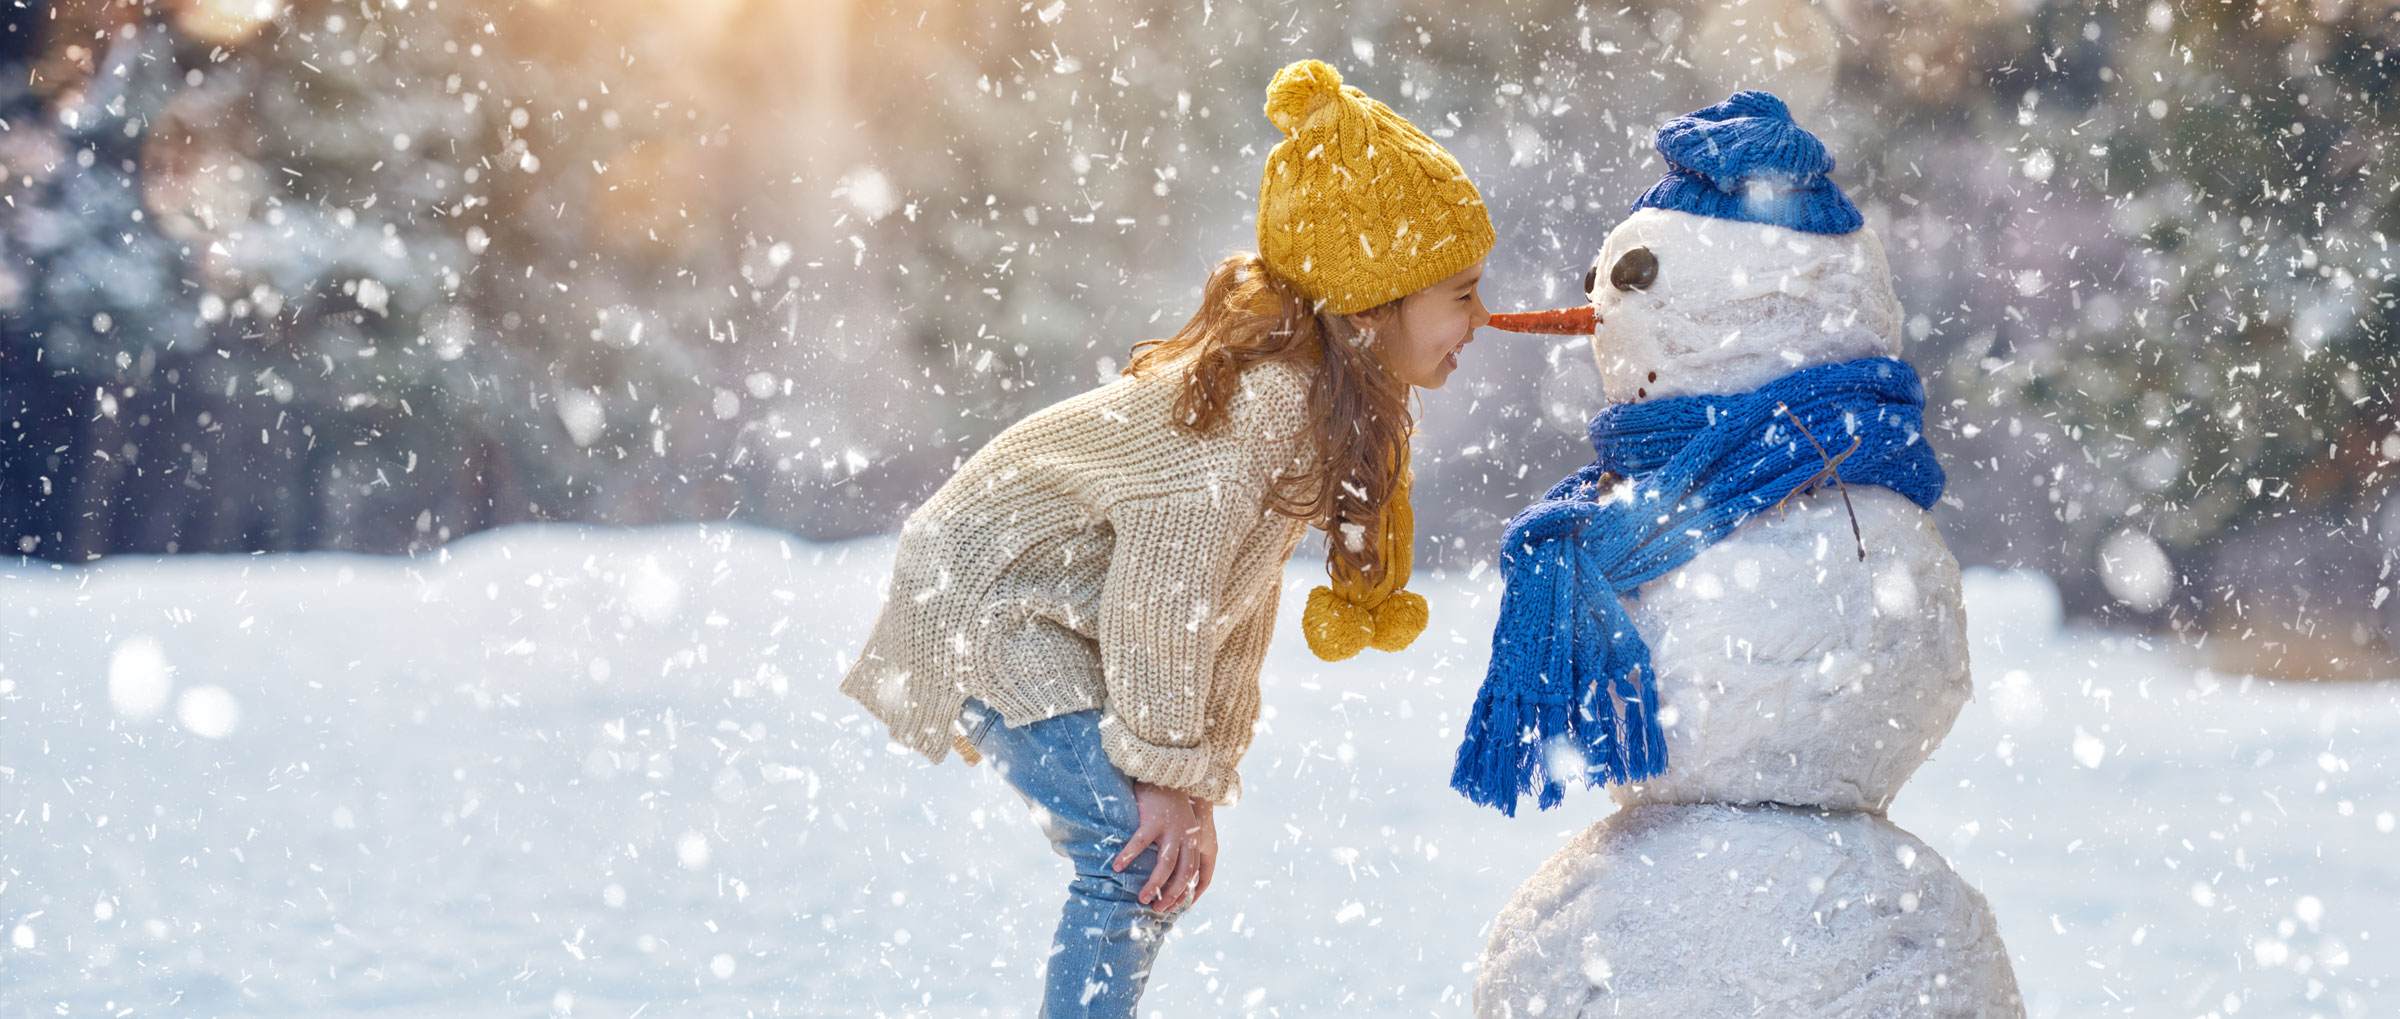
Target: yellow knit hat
1357,207
1354,613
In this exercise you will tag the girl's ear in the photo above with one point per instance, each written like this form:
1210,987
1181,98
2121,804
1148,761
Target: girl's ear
1373,318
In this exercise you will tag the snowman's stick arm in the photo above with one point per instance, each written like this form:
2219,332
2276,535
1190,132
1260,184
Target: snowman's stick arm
1832,467
1812,481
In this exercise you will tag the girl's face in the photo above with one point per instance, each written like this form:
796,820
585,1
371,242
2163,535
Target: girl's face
1421,340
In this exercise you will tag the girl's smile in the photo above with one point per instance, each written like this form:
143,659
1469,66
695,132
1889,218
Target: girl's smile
1421,335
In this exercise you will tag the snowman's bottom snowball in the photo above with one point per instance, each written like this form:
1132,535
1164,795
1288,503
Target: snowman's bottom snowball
1703,911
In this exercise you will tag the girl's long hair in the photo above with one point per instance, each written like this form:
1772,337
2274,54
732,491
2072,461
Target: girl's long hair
1358,412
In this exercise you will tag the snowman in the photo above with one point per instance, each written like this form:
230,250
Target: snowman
1741,619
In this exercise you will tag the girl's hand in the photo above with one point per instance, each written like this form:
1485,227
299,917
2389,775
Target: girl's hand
1205,845
1168,821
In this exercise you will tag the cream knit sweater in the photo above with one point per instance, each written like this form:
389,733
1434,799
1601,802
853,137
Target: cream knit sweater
1095,556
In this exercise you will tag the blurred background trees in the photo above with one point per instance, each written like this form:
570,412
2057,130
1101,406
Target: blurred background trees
369,275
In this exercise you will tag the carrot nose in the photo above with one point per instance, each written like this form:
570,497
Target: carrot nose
1562,322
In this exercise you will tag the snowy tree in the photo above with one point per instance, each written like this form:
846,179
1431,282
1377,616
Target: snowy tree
2160,287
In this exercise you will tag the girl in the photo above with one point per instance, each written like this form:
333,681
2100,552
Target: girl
1087,602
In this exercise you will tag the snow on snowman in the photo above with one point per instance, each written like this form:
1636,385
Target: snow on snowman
1741,618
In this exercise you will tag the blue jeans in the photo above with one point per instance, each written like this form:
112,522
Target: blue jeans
1100,958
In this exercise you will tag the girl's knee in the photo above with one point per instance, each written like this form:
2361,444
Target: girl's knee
1098,874
1106,883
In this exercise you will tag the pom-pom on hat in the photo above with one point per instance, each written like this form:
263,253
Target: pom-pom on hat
1744,159
1356,206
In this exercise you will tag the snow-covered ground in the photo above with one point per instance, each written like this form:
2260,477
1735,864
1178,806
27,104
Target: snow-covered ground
606,773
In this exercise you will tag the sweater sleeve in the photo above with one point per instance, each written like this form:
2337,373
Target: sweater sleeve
1161,630
1234,709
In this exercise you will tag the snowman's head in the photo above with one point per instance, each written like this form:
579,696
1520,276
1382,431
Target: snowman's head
1696,304
1744,263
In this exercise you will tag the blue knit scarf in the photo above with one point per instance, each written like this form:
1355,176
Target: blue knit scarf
1567,666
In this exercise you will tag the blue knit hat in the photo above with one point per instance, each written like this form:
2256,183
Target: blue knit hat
1743,159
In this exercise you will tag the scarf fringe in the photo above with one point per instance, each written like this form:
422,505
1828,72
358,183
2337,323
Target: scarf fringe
1517,747
1591,717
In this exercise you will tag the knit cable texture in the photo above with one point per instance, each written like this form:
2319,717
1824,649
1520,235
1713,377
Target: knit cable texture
1354,613
1744,159
1095,556
1356,206
1569,677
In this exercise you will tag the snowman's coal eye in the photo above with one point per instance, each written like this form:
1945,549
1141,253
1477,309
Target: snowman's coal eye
1591,277
1635,270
